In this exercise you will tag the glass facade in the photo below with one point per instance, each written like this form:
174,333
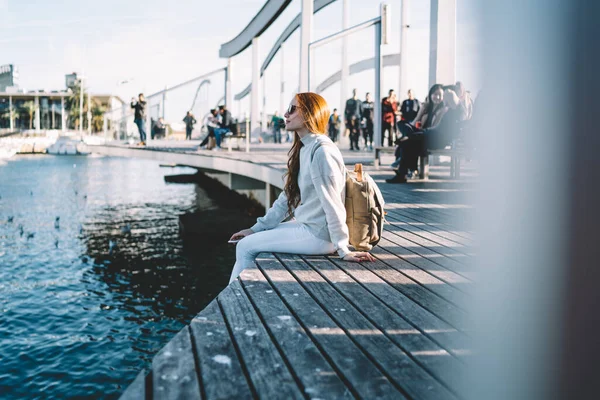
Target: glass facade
24,115
49,106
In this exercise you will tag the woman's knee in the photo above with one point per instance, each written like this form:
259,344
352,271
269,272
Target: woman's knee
245,249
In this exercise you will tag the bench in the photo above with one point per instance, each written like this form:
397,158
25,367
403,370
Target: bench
454,154
229,138
238,131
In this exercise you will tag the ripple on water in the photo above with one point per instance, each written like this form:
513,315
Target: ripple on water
74,320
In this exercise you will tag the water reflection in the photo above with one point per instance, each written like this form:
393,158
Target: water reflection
86,304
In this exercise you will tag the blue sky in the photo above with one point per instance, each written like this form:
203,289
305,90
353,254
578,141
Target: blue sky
160,43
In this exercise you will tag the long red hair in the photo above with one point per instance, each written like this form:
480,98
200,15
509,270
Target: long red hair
315,113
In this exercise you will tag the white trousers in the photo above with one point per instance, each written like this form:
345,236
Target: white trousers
289,237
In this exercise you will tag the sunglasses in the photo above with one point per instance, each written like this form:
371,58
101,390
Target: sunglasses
291,109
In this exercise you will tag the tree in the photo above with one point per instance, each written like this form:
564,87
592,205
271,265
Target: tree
6,115
72,103
98,111
29,108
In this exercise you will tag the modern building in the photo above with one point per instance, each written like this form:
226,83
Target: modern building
51,110
8,77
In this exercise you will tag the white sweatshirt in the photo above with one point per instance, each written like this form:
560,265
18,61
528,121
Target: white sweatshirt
322,185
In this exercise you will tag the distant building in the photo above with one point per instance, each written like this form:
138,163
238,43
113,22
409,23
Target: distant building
8,77
71,80
47,110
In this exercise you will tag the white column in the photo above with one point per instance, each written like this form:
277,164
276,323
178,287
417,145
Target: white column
148,120
404,29
105,119
53,116
345,68
268,199
10,116
282,99
37,113
305,39
254,93
247,122
228,87
123,120
63,120
81,107
377,133
263,119
442,42
164,102
89,114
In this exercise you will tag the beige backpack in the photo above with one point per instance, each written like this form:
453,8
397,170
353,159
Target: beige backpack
364,203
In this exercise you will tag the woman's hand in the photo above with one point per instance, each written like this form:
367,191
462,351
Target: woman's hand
359,256
241,234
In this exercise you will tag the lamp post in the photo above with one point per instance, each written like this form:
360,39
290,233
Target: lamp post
81,105
110,105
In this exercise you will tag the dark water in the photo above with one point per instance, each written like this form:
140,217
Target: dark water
86,303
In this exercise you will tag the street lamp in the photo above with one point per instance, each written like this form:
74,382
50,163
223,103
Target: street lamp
81,104
110,105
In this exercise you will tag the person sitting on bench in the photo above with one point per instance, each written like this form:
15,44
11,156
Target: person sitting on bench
439,127
211,122
160,130
224,126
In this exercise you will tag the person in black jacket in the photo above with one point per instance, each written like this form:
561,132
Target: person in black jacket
225,126
410,108
189,125
353,109
140,116
226,119
368,115
354,128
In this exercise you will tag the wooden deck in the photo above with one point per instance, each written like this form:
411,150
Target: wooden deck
322,328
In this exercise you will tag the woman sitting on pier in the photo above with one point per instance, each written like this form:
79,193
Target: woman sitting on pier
313,191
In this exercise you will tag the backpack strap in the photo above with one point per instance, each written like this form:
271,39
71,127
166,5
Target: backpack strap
318,145
327,143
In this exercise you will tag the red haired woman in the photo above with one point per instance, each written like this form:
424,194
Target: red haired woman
313,194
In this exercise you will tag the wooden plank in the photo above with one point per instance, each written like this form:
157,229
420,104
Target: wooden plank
174,371
434,204
420,234
434,234
421,210
431,253
364,378
448,337
459,235
435,228
422,214
450,272
401,369
429,275
425,351
424,205
319,379
450,258
445,193
437,305
137,389
221,373
268,371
